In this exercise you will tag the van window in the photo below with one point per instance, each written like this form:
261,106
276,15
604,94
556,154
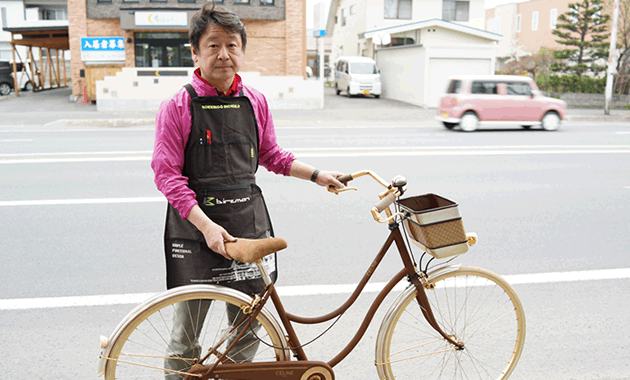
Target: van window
454,87
518,88
479,87
363,68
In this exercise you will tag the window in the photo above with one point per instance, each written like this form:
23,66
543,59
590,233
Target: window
343,17
455,10
553,18
518,23
266,2
455,87
535,21
241,1
53,14
518,88
103,1
186,1
158,1
353,9
398,9
479,87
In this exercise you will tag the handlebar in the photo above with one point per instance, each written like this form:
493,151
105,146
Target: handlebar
394,190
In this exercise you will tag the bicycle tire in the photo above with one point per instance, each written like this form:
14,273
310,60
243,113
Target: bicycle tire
472,305
140,345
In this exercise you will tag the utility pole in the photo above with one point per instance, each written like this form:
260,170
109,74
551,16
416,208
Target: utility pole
612,60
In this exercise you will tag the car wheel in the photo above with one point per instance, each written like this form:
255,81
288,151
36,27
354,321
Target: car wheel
526,126
377,96
449,125
469,121
348,92
337,90
5,89
551,121
28,86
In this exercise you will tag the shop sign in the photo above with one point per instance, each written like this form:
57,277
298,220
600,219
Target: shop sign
102,49
161,18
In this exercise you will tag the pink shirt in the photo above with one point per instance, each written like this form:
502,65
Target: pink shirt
172,128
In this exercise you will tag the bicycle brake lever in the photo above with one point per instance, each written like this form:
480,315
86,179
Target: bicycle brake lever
333,190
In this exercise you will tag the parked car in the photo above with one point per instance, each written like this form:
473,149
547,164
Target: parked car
6,78
357,75
471,101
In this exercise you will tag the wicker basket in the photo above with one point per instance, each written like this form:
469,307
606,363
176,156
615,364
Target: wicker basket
435,225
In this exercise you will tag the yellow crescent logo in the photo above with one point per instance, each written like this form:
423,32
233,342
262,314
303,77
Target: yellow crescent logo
157,73
150,18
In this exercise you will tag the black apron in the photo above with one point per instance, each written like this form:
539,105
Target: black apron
221,159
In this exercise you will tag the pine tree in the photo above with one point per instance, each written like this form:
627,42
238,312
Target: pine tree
583,27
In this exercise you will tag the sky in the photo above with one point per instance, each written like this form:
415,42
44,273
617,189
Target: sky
311,3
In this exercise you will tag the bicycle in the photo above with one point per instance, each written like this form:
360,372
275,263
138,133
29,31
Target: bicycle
450,322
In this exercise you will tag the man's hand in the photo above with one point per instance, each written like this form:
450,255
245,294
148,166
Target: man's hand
326,178
215,235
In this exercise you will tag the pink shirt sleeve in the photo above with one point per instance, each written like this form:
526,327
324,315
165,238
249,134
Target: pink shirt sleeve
172,129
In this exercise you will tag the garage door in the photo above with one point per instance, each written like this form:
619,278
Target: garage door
442,68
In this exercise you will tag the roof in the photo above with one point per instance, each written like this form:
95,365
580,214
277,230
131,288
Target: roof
429,24
36,26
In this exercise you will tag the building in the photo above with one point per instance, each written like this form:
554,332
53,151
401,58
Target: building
526,27
154,34
347,19
312,53
417,44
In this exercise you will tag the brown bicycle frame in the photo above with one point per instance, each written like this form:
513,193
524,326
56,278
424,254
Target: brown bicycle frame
409,271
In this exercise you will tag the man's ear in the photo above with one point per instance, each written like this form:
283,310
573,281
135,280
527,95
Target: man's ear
194,54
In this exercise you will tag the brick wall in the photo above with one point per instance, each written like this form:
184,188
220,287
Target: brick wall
77,28
274,47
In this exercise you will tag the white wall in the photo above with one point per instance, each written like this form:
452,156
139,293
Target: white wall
402,71
14,11
129,92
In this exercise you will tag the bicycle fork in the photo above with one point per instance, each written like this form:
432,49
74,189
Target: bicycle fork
421,295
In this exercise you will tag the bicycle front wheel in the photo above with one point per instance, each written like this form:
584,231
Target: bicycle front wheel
163,337
473,306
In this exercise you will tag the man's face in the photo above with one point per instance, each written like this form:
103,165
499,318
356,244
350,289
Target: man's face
219,56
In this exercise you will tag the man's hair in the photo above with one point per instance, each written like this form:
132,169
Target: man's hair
209,14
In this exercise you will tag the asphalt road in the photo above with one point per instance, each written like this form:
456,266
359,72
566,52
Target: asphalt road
81,218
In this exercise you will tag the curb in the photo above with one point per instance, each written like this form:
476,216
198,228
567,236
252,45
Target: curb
609,118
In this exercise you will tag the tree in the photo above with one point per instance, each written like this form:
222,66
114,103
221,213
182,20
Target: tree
622,79
583,27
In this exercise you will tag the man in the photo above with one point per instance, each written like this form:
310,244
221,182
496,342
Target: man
210,138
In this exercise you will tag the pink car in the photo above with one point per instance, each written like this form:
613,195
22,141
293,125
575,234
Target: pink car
499,100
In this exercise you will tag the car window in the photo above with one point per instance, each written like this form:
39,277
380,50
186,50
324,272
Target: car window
518,88
455,87
484,87
363,68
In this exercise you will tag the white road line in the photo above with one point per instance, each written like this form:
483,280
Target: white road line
304,290
48,202
319,152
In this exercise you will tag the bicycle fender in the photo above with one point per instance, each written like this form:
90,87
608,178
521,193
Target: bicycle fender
181,290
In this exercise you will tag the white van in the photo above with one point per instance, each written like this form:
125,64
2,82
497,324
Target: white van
357,75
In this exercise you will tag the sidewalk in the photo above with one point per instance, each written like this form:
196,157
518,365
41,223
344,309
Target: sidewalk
52,108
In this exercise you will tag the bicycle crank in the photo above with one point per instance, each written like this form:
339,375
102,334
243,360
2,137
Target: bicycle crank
300,370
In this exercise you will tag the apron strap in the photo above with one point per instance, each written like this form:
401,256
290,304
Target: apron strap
191,90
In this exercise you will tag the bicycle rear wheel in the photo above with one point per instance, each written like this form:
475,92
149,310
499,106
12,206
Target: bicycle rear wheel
163,336
473,306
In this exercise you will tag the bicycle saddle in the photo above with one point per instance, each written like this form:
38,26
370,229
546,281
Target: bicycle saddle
250,250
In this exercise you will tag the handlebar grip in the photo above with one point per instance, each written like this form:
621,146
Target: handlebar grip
385,202
345,178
